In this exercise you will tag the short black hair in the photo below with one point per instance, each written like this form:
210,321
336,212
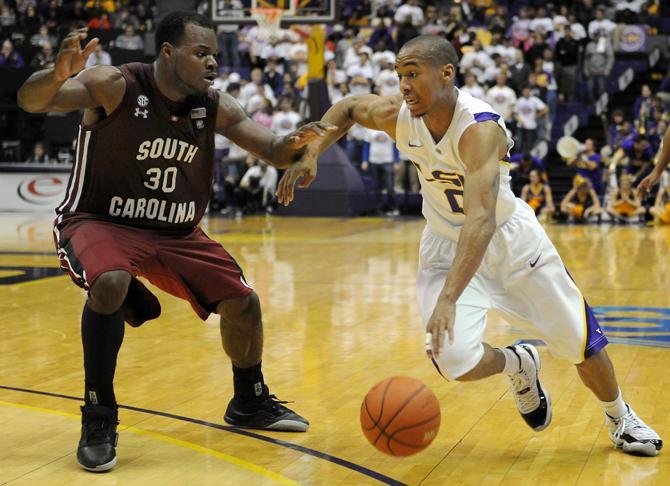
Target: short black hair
171,28
435,48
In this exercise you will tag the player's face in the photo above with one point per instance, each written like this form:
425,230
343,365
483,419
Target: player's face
194,64
421,81
534,177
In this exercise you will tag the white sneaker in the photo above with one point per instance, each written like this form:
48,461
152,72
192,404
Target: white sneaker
532,401
632,435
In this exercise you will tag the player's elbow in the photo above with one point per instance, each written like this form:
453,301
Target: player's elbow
24,101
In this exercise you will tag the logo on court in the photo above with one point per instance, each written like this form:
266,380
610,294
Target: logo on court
642,326
637,326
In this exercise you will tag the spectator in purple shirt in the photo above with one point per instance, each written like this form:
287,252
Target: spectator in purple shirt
589,165
9,57
636,156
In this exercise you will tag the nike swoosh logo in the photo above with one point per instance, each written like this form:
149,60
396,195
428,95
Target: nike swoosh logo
414,146
532,264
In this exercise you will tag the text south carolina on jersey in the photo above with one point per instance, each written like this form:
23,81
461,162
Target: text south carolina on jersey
152,208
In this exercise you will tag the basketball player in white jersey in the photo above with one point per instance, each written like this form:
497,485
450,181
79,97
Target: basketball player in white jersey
482,248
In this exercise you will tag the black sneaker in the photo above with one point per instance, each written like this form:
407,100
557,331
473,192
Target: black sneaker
96,451
264,413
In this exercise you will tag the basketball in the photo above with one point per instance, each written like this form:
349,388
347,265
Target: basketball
400,416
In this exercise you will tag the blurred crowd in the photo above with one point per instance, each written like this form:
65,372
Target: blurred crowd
526,59
32,29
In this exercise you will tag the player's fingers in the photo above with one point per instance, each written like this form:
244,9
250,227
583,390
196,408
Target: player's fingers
283,187
440,338
313,129
280,191
306,180
66,51
435,331
450,333
90,47
429,347
304,138
327,126
76,34
75,37
290,182
287,188
642,189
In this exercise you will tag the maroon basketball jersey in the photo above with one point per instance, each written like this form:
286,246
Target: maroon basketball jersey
144,165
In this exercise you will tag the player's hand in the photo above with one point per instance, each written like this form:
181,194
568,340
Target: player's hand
308,133
442,320
646,184
304,169
71,58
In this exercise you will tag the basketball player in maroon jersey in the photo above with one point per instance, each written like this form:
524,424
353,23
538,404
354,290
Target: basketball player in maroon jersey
139,187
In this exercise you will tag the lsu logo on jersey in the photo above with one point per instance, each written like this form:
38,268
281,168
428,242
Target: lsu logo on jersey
454,184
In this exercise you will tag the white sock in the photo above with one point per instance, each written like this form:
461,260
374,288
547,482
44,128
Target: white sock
512,362
617,408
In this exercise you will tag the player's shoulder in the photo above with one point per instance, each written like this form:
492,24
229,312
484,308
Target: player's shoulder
100,74
472,106
106,84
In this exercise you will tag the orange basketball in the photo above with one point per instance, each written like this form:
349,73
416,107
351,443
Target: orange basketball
400,416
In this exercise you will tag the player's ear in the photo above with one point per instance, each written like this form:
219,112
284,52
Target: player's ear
448,72
167,49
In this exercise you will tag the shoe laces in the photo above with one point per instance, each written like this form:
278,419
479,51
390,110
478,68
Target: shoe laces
526,398
276,403
632,425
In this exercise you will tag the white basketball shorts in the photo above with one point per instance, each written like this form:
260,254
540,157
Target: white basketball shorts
523,276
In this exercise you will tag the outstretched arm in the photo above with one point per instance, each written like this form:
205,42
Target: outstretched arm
371,111
55,90
482,146
663,159
234,123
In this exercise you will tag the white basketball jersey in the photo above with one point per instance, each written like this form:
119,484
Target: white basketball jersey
441,170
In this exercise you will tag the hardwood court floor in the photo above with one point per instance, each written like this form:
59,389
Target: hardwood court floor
340,315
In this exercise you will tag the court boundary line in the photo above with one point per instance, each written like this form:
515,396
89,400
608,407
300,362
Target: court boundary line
236,461
226,428
37,253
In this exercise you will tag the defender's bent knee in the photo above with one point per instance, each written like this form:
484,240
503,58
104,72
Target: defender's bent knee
109,291
243,310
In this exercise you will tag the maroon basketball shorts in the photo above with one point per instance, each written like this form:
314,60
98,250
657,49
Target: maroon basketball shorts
191,266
